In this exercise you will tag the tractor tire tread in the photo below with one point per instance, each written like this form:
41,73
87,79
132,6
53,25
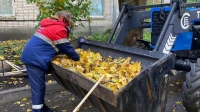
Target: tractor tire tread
191,89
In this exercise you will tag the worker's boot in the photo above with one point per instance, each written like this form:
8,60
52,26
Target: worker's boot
47,109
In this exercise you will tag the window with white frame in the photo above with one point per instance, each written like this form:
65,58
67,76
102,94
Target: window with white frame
6,8
96,8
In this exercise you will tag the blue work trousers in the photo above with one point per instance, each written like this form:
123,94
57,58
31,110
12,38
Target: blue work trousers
36,77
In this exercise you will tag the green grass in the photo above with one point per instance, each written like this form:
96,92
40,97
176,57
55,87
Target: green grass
192,1
147,36
103,37
12,49
99,37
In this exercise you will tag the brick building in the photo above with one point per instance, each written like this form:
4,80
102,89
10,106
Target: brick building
17,18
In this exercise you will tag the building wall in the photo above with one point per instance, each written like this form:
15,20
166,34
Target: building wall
101,23
166,1
22,11
25,15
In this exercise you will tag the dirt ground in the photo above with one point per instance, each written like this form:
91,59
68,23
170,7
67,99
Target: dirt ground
64,101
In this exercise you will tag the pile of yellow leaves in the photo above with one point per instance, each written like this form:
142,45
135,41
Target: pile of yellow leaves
118,72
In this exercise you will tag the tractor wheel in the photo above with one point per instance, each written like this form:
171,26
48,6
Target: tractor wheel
191,88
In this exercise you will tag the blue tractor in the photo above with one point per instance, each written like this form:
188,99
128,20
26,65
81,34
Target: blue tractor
175,28
185,41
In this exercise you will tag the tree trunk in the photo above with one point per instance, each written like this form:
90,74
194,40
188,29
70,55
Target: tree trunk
133,34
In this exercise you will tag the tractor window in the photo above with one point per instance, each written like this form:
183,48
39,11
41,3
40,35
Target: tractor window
6,8
96,8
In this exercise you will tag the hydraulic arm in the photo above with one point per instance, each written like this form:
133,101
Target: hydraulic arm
178,21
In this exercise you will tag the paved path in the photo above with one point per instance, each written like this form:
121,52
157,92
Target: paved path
174,101
63,101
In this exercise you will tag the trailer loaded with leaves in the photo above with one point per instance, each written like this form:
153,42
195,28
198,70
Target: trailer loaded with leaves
141,88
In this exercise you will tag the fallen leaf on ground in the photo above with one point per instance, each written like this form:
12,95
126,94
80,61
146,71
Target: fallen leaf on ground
178,102
18,102
49,100
21,105
72,98
49,74
20,79
177,83
63,92
56,106
14,82
171,84
26,85
28,110
13,78
24,99
64,111
174,110
50,81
